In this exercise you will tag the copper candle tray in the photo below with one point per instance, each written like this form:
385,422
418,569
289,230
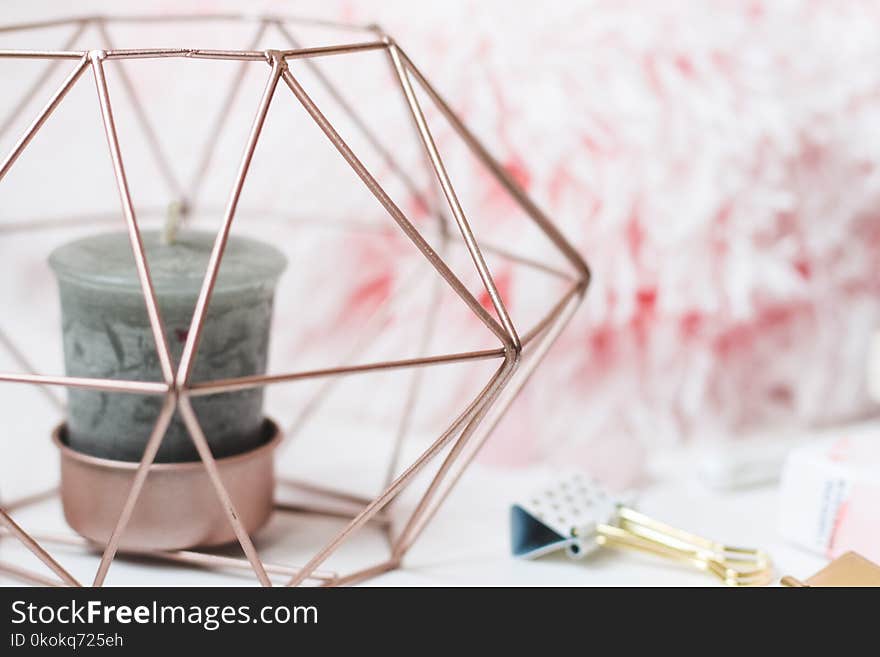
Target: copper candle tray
178,508
517,353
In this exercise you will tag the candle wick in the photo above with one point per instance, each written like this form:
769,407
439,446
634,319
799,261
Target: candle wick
172,223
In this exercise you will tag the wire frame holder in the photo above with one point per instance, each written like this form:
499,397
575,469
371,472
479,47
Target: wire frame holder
518,355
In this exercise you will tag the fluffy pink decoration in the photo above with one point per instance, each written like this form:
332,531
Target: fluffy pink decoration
717,163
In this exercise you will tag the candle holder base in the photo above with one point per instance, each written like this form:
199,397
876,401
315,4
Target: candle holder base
178,506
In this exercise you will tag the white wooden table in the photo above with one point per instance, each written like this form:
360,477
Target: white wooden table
467,544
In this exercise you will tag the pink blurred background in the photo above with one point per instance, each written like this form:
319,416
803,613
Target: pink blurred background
718,165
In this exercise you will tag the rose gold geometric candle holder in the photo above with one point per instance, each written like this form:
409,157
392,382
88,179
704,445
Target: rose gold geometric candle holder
519,350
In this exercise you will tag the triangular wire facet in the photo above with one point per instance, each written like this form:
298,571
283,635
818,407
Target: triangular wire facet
471,414
186,361
22,147
496,169
399,217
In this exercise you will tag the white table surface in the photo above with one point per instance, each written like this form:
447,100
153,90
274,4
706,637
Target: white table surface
467,543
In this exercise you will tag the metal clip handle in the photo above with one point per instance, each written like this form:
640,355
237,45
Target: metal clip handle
734,566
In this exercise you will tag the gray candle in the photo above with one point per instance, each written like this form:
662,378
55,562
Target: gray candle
107,335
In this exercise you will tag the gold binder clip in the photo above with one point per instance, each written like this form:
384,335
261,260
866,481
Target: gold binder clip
578,515
735,566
